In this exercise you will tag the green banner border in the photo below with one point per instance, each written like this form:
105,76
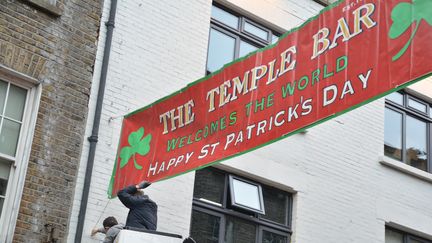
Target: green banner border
331,6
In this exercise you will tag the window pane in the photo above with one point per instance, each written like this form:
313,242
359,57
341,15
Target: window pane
9,137
204,227
417,105
416,143
393,236
4,176
393,134
276,205
395,97
1,205
246,48
3,89
263,34
239,231
275,38
225,17
269,237
415,241
246,194
221,50
209,185
15,103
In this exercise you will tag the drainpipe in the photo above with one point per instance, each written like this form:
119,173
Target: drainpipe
97,117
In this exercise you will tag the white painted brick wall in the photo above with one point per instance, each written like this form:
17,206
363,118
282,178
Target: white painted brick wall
343,194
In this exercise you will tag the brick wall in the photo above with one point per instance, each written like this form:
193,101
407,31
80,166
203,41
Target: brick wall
60,53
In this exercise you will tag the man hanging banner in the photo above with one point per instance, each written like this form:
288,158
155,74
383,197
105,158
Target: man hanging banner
355,51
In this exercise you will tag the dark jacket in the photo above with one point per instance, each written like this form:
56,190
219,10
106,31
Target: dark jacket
143,211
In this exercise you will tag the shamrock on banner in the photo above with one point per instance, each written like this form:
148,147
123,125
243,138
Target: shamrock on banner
138,144
404,14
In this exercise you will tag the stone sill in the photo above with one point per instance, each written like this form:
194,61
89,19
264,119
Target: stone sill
395,164
10,74
47,7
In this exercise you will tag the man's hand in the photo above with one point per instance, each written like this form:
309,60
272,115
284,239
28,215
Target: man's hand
143,184
94,231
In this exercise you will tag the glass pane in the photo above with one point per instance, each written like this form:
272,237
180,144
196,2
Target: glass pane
15,103
221,50
1,205
239,231
3,185
275,38
395,97
4,175
269,237
3,89
276,205
9,137
416,143
246,48
263,34
225,17
415,241
205,227
393,236
246,194
209,185
417,105
393,134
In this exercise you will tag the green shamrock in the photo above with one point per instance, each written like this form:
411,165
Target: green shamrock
404,14
138,144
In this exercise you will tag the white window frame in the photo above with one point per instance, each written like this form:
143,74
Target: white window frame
235,203
19,165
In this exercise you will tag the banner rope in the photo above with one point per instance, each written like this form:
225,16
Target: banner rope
103,211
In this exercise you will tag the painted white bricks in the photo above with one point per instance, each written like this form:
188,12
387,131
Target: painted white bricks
342,192
157,49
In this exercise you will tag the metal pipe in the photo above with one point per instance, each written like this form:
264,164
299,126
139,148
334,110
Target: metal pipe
93,139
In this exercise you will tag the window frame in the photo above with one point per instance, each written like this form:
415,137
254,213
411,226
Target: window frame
239,34
202,205
323,3
236,204
405,110
262,229
407,237
19,163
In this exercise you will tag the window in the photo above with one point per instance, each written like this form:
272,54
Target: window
217,218
12,100
395,236
19,96
407,134
4,176
233,36
49,6
246,195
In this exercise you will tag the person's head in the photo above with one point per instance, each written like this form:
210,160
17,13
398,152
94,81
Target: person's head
109,222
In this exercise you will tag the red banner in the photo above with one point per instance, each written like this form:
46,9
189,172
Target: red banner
355,51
